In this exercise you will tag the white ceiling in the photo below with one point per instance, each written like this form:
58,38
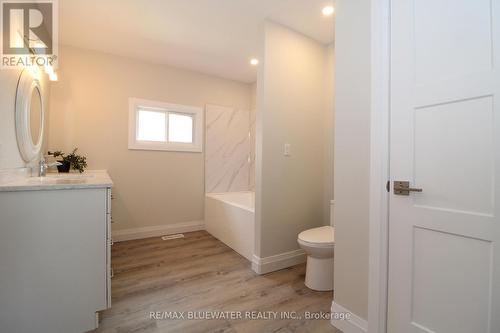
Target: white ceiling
216,37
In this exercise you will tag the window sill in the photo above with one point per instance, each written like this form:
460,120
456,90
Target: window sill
188,148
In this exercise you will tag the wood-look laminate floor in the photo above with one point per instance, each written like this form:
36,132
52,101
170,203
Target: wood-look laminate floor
200,274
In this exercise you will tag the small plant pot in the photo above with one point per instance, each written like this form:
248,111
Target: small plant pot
64,168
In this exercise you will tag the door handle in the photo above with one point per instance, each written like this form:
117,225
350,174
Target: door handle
403,188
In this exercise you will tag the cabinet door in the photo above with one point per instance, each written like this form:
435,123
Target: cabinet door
52,260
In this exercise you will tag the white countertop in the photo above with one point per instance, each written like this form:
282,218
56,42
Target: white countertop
57,181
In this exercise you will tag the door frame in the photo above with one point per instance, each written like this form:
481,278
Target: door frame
379,166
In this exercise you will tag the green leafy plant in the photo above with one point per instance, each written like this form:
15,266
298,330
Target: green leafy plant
76,161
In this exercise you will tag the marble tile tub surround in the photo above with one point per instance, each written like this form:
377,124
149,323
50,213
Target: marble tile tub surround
253,124
251,176
227,149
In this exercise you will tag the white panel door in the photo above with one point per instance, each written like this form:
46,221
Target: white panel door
444,242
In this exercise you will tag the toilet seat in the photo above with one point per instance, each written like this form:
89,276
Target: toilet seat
318,237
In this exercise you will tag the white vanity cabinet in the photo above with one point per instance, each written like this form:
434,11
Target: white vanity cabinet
55,263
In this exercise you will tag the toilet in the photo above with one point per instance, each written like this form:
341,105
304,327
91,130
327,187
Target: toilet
318,243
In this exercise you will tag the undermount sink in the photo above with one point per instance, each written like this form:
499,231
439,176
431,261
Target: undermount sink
61,179
69,175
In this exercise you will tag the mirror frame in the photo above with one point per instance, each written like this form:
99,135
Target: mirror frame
27,84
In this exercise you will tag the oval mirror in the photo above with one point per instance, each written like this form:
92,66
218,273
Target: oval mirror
35,116
29,116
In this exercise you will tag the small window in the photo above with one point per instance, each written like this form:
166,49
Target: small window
180,128
162,126
150,125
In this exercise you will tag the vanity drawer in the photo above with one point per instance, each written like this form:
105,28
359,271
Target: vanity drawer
109,196
109,243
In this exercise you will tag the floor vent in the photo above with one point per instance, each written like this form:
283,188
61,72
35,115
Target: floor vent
169,237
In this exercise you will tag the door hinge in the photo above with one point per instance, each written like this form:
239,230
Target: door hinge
388,186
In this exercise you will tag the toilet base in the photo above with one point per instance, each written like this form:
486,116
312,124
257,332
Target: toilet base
319,273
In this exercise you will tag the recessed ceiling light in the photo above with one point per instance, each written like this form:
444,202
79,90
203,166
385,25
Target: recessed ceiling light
328,10
254,62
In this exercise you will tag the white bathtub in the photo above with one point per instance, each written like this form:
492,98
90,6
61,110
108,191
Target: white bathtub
230,217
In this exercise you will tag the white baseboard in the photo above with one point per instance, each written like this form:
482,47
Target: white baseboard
157,230
277,262
354,324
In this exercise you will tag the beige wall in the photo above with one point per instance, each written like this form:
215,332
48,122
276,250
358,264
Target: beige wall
329,126
291,109
90,111
352,154
10,158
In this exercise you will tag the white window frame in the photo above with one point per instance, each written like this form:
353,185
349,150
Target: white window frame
198,122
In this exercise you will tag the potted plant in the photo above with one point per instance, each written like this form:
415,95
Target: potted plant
70,161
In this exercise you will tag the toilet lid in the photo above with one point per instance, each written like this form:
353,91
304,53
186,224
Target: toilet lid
321,235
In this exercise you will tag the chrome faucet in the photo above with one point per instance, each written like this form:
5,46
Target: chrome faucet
43,166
